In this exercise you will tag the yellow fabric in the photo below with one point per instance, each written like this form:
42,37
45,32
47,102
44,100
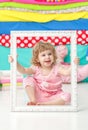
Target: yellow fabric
8,84
12,15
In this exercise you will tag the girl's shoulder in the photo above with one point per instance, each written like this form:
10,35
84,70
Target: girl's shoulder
35,68
57,68
58,65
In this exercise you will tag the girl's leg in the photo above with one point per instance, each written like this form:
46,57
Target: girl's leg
54,102
60,99
31,93
29,84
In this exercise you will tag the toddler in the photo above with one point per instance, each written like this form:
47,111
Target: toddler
44,82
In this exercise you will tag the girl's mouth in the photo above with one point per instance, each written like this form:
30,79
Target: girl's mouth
48,61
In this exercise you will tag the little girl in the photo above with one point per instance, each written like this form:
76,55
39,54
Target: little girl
82,71
43,83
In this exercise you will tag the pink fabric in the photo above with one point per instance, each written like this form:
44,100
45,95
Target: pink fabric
47,88
7,80
82,71
5,0
61,51
44,2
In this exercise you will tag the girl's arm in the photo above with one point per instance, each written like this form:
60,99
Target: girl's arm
65,71
20,68
24,70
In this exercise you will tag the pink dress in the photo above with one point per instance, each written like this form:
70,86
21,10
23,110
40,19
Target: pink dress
47,88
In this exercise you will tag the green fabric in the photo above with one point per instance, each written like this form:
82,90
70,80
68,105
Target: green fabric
0,85
25,54
43,7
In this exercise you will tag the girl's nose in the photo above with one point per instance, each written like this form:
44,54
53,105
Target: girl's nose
47,56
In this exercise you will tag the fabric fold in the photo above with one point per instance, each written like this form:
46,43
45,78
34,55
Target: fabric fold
70,10
48,2
11,15
6,27
43,7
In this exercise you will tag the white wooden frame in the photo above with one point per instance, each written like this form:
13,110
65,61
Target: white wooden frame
73,106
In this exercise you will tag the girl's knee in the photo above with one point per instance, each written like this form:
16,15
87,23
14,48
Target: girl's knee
29,82
28,86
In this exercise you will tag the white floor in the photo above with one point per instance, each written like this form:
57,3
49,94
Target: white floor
45,120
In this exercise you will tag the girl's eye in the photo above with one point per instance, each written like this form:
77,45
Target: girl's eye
43,55
50,54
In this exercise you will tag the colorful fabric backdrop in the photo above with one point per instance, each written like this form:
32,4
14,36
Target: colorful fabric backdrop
42,15
25,56
28,42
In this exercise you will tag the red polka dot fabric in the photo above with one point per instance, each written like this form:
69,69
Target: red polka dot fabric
82,37
5,40
29,42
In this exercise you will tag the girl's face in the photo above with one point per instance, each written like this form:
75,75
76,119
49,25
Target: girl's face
46,58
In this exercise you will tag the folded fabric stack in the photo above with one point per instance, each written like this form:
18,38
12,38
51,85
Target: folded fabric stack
5,81
41,15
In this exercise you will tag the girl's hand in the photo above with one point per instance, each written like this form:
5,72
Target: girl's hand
10,59
76,60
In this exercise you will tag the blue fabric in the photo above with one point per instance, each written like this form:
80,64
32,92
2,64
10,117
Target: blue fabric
25,54
81,24
87,52
4,52
24,57
81,53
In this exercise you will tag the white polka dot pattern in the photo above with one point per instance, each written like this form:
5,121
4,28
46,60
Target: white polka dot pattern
5,40
29,42
82,37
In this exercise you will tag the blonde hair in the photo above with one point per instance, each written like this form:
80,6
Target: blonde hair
40,47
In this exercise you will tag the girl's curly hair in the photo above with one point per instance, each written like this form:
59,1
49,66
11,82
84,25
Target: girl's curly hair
40,47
